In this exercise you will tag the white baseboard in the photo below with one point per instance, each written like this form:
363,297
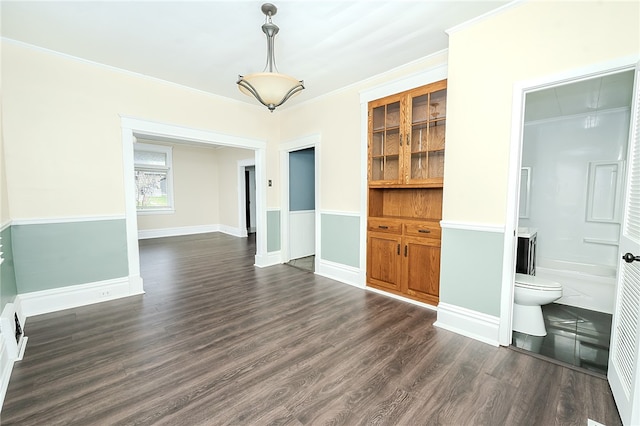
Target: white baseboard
469,323
339,272
230,230
46,301
6,366
190,230
174,232
270,259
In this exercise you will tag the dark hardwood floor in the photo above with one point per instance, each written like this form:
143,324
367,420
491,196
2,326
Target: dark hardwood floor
216,340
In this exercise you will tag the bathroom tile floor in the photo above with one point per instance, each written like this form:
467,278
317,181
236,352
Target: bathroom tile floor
575,336
306,263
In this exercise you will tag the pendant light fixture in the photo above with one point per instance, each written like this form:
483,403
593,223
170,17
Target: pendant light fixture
269,87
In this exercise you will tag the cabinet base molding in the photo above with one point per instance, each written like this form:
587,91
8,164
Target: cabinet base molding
430,301
402,298
469,323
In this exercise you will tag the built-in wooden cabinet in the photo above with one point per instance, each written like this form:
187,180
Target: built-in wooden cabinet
406,169
406,137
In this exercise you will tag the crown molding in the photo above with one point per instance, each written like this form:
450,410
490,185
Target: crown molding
484,17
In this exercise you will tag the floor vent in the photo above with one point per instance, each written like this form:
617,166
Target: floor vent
18,328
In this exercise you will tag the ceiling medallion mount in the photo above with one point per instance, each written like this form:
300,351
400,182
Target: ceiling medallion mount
269,87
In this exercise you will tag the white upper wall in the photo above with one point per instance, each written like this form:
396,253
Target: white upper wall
528,41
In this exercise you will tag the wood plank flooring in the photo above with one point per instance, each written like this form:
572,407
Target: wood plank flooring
217,341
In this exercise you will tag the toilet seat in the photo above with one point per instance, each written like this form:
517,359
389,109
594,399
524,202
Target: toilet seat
536,283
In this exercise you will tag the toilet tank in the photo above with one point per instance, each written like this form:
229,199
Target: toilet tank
526,253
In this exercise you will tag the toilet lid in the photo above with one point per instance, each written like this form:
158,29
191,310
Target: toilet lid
531,281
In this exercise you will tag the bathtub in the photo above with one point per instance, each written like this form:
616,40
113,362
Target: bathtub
584,286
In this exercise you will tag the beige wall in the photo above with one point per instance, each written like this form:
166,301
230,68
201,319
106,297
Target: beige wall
529,41
4,198
62,129
195,188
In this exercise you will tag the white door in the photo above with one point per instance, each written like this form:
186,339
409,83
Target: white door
624,357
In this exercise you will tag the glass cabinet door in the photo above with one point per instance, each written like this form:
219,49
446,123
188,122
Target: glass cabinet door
385,143
428,120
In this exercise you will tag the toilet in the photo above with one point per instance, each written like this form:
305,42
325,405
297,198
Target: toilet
530,293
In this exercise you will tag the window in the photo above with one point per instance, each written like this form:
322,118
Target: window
153,176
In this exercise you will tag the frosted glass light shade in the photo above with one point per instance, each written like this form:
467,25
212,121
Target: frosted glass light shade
270,88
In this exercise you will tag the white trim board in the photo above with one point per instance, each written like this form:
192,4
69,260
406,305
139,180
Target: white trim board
471,22
469,323
342,273
431,75
340,213
185,230
268,259
46,301
69,219
472,226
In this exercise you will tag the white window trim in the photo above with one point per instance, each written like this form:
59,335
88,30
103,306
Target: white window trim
168,151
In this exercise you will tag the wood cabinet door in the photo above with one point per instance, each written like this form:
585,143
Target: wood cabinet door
386,134
384,261
426,122
421,267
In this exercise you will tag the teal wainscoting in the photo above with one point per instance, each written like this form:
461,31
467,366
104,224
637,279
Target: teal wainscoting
273,230
340,239
54,255
471,269
8,289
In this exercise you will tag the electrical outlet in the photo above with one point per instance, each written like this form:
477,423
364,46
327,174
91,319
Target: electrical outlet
104,293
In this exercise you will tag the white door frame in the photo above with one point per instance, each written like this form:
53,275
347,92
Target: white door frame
312,141
242,194
134,127
520,90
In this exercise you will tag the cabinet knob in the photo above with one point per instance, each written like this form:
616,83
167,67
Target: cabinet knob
424,231
629,257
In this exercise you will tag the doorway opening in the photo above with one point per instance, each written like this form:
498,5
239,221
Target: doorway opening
247,201
300,219
133,128
574,145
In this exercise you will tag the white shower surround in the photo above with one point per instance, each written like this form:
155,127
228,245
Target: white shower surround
574,248
587,286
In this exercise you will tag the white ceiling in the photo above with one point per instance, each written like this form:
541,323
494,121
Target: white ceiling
206,44
593,95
